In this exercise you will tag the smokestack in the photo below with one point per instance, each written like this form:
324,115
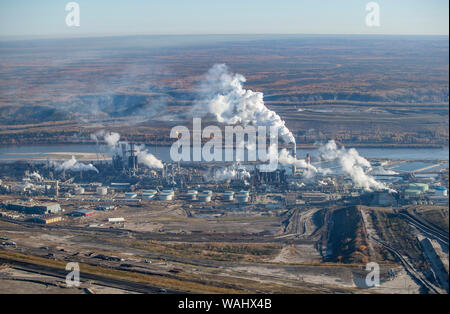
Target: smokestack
124,154
308,159
294,153
132,159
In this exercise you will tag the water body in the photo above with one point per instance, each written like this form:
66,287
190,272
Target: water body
25,152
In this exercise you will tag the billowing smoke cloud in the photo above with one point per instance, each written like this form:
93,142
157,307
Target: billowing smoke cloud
285,159
226,174
352,164
74,165
111,138
35,175
222,94
113,142
144,157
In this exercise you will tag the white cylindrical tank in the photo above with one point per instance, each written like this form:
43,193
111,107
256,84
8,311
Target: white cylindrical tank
228,196
130,195
169,192
148,196
166,196
440,191
204,198
102,190
242,198
191,196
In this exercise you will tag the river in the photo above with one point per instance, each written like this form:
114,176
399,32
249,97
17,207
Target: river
25,152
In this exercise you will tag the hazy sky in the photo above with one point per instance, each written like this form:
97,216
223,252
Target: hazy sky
114,17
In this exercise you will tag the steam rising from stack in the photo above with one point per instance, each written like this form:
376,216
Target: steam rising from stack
112,140
35,175
353,164
287,160
226,174
222,94
74,165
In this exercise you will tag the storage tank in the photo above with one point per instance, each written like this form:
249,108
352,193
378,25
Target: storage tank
440,191
130,195
165,196
242,198
419,186
101,190
148,196
228,196
204,198
191,196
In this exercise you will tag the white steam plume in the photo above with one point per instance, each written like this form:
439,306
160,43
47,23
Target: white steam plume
222,94
286,159
35,175
226,174
352,164
74,165
112,140
144,157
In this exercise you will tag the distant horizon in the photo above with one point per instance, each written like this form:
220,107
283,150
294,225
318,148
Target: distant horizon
91,36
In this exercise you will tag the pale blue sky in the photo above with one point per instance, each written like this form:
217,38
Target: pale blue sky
46,18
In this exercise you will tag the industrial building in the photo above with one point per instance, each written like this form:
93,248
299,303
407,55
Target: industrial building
82,213
106,207
102,191
34,208
315,197
45,220
120,186
116,220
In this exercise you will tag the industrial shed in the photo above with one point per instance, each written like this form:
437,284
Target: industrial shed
35,208
82,213
46,220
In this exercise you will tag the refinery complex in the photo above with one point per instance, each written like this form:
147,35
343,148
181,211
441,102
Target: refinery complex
290,215
160,171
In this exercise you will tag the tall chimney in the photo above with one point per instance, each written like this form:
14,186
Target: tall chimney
294,153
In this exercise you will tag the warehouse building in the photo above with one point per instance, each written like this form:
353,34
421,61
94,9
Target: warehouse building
34,208
82,213
106,208
46,220
315,197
